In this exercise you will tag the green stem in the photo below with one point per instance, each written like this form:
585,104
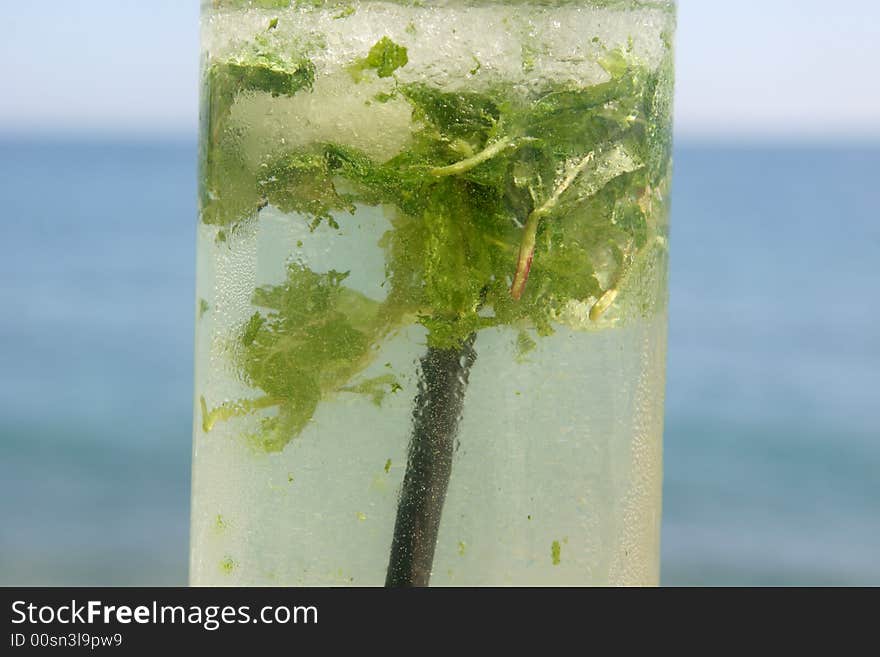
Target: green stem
493,149
621,279
530,231
526,254
228,410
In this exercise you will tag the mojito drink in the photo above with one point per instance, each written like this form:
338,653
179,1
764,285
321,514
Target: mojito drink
431,306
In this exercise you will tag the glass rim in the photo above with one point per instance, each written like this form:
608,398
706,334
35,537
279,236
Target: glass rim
270,5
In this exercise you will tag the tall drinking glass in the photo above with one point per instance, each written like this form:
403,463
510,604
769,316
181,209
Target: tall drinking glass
431,313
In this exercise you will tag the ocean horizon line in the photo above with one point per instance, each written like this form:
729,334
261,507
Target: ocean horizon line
738,142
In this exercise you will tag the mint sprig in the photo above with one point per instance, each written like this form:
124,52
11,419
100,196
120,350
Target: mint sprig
504,208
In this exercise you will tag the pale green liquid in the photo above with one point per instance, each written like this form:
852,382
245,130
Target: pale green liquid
563,446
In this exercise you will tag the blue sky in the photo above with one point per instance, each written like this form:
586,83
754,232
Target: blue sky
746,68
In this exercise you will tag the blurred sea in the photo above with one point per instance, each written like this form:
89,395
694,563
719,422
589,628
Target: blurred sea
772,438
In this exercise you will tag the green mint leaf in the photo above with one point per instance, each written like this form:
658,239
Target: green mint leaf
310,338
303,183
229,188
453,115
384,58
263,74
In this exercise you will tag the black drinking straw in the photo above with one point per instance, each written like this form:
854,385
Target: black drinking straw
436,414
